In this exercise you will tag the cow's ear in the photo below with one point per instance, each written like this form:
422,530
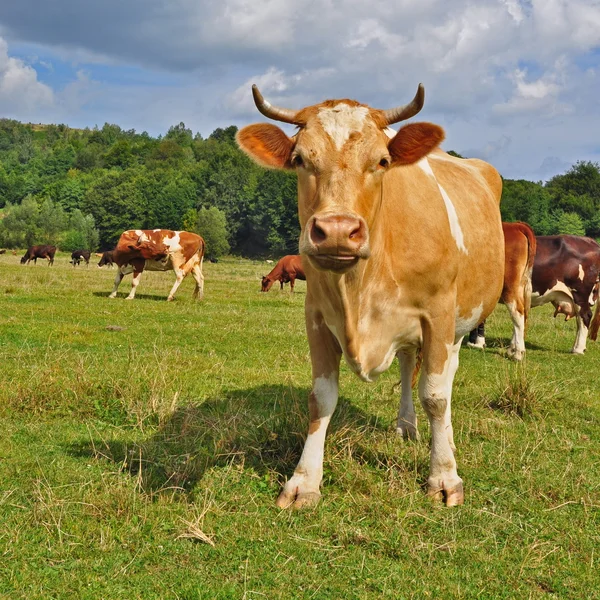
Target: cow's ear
267,145
414,142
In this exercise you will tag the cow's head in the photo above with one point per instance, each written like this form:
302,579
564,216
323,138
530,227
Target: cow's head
266,284
341,154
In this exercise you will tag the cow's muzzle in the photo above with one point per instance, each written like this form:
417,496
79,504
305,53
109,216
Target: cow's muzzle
336,242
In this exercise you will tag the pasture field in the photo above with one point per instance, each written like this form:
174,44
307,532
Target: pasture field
144,443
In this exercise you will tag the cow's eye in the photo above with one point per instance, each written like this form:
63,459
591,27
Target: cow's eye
384,163
297,161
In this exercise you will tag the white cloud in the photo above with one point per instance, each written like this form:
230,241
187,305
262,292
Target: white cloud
20,90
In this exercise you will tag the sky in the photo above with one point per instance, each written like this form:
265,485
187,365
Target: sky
514,82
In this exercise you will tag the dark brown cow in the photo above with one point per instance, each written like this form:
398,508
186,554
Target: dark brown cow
35,252
519,255
78,255
566,273
159,250
288,269
106,258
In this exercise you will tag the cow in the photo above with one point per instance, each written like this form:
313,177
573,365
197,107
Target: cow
78,255
566,273
288,269
35,252
3,251
403,252
159,250
106,258
519,255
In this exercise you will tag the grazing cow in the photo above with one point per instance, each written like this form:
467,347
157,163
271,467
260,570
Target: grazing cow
288,269
519,254
566,273
403,253
106,258
35,252
159,250
78,255
3,251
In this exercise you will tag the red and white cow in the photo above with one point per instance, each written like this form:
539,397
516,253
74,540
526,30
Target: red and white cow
519,254
288,269
403,252
159,250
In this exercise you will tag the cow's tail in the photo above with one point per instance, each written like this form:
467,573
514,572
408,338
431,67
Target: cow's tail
528,271
595,324
202,249
417,368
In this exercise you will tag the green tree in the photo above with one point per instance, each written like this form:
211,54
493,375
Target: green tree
212,226
570,223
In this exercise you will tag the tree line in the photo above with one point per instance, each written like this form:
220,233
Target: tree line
82,188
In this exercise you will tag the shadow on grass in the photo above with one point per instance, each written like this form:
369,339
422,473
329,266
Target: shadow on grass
261,428
123,295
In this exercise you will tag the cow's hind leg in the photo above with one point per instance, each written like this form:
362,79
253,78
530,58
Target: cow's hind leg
406,424
199,277
303,488
516,310
582,329
180,276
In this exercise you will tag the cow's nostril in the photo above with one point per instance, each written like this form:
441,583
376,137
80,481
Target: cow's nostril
317,234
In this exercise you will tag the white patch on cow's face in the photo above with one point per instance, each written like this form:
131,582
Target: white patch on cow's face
342,120
581,273
465,324
455,227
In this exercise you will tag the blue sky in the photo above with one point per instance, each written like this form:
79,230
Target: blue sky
516,83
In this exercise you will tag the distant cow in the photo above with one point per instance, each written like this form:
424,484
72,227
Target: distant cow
106,258
3,250
159,250
519,255
35,252
288,269
78,255
566,273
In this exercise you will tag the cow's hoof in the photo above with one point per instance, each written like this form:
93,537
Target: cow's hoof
129,298
301,500
578,351
112,296
515,354
170,299
450,493
477,345
408,432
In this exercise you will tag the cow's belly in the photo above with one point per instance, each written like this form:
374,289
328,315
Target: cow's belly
559,294
158,265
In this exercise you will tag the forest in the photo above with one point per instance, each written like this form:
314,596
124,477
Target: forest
81,188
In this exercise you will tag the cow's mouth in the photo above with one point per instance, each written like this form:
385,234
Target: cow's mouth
334,262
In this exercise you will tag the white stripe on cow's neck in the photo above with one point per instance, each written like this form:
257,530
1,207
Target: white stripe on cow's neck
342,120
455,227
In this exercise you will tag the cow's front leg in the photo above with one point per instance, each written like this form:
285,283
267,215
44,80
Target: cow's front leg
440,361
583,315
138,269
406,424
303,488
121,272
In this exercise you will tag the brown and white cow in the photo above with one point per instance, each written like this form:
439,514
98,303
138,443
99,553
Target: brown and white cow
519,254
159,250
403,253
566,273
288,269
43,251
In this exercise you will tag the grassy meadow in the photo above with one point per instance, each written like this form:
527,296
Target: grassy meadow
144,443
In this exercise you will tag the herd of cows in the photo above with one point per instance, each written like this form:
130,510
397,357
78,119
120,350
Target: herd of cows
404,254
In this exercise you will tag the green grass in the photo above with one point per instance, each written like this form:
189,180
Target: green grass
144,444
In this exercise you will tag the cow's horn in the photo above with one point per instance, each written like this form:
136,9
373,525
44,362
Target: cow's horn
401,113
276,113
